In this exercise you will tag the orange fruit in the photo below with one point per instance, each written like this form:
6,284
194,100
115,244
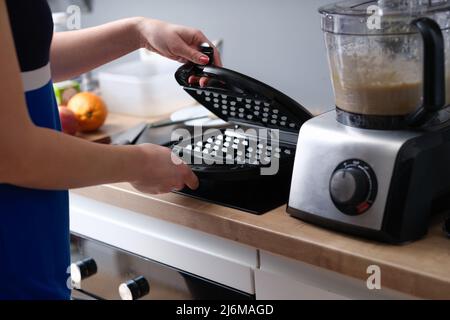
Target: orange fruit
90,110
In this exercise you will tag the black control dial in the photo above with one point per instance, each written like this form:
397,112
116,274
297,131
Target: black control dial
82,270
353,187
134,289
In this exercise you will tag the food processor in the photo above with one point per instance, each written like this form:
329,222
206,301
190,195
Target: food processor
377,166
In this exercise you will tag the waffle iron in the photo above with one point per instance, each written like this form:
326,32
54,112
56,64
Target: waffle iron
263,127
247,163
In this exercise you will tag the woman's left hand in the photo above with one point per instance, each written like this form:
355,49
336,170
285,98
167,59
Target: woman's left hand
175,42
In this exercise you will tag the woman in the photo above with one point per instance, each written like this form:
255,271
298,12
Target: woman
38,164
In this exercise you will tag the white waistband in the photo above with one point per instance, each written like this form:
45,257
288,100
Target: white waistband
33,80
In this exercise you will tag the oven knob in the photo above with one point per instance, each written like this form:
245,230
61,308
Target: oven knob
353,187
82,270
134,289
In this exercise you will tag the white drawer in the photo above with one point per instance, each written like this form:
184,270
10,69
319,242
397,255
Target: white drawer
282,278
221,260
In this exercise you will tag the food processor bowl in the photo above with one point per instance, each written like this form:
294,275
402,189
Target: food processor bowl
376,58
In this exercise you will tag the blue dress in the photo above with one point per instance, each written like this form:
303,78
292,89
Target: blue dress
34,224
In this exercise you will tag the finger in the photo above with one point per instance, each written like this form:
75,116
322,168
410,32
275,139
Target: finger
191,180
194,80
188,53
203,82
175,159
198,39
217,58
178,187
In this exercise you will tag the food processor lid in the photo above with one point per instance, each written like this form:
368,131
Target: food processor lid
365,17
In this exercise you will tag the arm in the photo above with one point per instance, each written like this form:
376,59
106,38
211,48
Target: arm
76,52
39,158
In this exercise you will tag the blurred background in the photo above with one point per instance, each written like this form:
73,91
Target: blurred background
277,42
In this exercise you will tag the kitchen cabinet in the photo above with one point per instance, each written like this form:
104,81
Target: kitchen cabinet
272,256
241,267
280,278
207,256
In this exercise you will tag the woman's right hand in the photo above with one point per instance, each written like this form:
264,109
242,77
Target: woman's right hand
159,171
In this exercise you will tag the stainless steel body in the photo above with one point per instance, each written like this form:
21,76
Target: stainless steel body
115,269
323,145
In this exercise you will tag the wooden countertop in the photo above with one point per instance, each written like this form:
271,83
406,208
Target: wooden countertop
420,269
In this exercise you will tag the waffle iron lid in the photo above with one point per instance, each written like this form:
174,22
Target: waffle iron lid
239,99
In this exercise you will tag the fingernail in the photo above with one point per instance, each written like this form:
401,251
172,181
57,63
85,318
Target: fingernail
204,59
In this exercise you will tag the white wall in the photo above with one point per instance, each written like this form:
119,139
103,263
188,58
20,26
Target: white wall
278,42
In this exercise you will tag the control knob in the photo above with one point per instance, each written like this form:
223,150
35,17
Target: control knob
134,289
353,187
82,270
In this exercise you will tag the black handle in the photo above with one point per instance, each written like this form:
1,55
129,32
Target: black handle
434,71
208,51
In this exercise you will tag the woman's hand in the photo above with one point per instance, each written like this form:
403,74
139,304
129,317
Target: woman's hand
159,171
177,43
174,42
76,52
